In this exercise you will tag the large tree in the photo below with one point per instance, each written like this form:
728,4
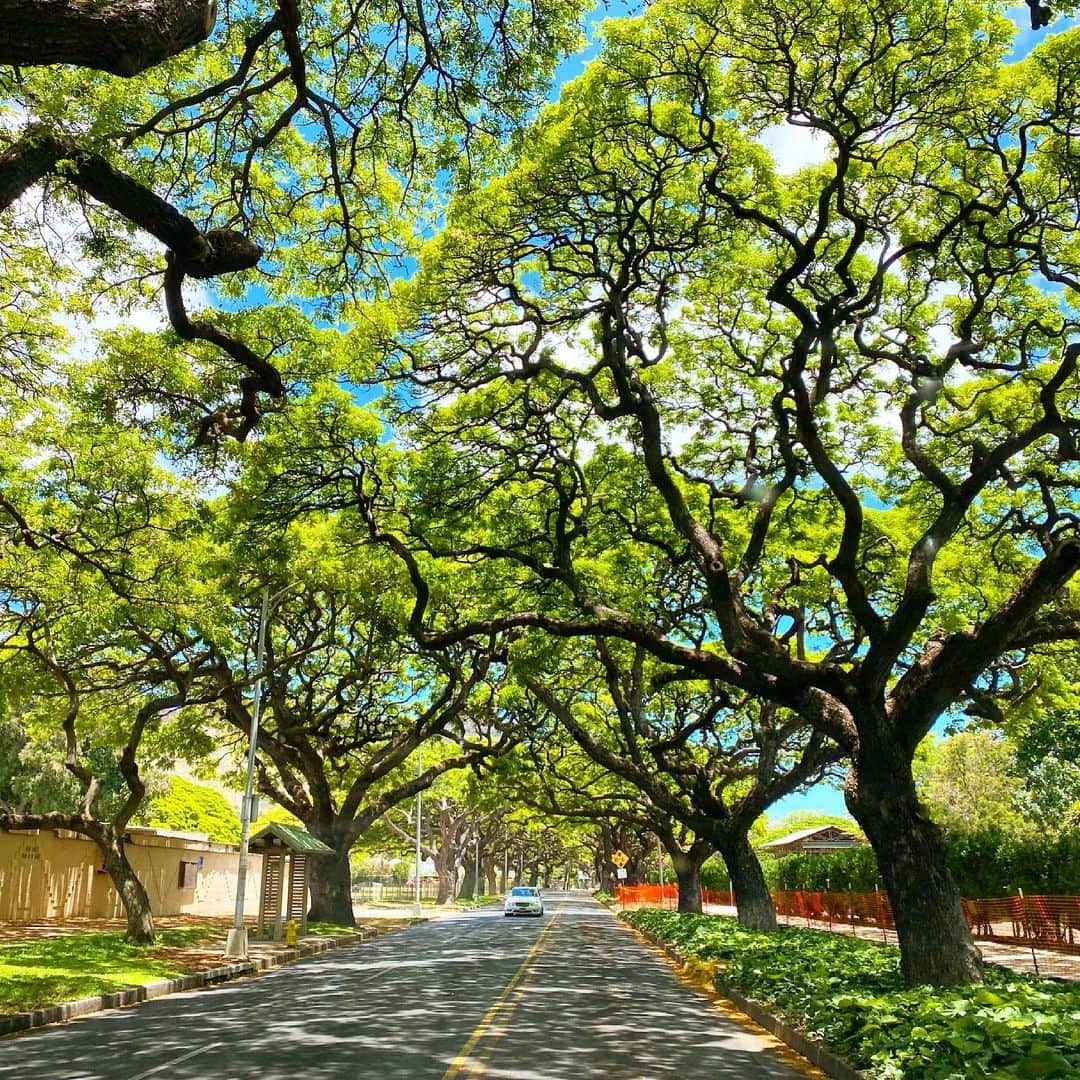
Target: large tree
696,759
849,400
347,697
77,691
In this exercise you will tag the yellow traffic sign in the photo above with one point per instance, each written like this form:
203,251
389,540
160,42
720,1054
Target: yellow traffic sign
620,859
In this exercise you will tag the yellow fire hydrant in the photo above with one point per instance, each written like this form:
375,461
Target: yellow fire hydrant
291,928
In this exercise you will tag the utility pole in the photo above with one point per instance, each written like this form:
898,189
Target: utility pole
417,909
476,869
236,943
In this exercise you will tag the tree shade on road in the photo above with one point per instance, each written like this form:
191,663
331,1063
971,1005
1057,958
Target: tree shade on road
571,995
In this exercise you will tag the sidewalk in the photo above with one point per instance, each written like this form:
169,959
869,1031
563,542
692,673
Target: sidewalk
1026,961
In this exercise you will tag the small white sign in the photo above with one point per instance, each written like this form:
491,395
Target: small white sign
621,873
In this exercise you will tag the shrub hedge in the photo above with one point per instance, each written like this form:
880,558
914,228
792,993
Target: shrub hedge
989,863
849,993
195,808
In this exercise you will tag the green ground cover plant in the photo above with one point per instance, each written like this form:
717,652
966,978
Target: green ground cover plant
850,994
54,970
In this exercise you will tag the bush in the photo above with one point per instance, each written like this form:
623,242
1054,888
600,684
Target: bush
993,862
714,874
848,870
849,993
188,807
988,863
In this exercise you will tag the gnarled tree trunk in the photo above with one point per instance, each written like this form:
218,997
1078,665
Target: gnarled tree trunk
753,901
330,881
468,882
604,877
133,895
687,866
936,947
446,871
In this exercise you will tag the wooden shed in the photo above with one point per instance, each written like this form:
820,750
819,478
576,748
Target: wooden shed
285,850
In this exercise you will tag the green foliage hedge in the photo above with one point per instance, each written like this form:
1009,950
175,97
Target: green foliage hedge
989,863
849,993
993,862
714,874
848,870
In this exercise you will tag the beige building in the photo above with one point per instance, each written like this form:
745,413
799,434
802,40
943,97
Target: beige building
53,874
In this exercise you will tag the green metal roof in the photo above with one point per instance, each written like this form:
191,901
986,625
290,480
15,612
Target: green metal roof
293,837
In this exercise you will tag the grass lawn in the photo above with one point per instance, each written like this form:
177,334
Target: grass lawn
50,971
329,929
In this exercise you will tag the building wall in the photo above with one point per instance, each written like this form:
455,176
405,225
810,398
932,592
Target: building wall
50,875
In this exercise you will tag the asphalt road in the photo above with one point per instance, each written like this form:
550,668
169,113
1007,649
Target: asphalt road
571,995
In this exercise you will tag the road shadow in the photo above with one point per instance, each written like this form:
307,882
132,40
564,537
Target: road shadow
590,1001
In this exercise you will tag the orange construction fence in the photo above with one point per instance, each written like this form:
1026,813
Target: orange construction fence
1046,921
666,896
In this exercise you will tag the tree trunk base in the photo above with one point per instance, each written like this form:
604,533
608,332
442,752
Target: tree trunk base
330,880
753,901
936,947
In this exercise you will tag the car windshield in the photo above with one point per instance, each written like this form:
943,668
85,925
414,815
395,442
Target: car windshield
521,891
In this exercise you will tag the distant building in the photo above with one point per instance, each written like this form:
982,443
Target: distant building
812,841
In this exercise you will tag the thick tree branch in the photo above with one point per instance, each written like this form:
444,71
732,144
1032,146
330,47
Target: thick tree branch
190,253
948,667
122,37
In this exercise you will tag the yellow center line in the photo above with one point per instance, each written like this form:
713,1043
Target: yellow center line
500,1028
462,1064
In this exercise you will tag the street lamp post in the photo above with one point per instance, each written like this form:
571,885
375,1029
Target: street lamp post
417,909
236,943
476,865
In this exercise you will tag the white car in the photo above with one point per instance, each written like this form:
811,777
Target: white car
524,900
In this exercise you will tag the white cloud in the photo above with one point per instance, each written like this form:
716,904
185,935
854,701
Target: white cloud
793,147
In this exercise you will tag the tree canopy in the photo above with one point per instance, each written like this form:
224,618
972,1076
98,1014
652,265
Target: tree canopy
582,419
823,403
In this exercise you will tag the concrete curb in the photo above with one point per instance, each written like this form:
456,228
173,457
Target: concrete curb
55,1014
817,1053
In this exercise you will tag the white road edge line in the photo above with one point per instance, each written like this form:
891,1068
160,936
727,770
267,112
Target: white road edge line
175,1061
